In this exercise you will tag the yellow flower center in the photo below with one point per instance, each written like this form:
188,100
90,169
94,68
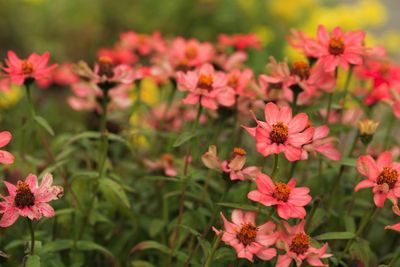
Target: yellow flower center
301,69
24,196
27,67
388,176
336,46
205,82
247,234
282,191
279,133
300,243
191,52
239,151
167,157
233,81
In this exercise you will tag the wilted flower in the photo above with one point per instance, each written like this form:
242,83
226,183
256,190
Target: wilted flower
28,199
235,166
246,237
367,130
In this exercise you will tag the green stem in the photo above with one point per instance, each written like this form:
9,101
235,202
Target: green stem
275,170
389,129
312,212
212,252
32,250
394,260
346,88
30,102
329,107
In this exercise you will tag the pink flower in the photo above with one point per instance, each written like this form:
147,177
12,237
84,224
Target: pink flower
323,144
247,238
281,132
239,80
339,48
166,163
207,87
118,54
297,245
240,41
27,199
143,44
395,227
288,199
35,67
5,156
383,176
235,166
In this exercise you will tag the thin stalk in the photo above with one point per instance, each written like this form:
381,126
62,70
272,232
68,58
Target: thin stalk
346,88
275,169
30,102
312,212
212,252
389,129
329,107
32,249
394,260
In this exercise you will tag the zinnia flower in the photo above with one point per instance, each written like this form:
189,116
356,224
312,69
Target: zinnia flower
27,70
281,132
207,87
235,166
322,144
246,237
288,199
5,156
27,199
383,176
297,245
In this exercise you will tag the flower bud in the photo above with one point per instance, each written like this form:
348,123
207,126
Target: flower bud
367,130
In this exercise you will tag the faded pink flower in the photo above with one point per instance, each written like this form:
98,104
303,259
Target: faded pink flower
207,87
235,166
322,144
26,70
297,245
165,163
5,156
281,132
28,199
288,199
211,160
383,176
246,237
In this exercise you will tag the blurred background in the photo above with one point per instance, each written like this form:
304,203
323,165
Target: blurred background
75,29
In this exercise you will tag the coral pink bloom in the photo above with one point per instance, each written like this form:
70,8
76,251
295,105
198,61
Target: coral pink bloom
323,144
288,199
28,199
340,48
35,67
297,245
143,44
235,166
166,163
207,87
5,156
281,132
305,44
247,238
383,176
239,80
240,41
118,54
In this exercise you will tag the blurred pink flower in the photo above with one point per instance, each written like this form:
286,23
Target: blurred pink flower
165,163
28,199
5,156
240,41
323,144
288,199
246,237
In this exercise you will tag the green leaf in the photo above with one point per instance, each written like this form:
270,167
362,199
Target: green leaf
110,186
58,245
149,245
156,226
84,135
238,206
89,245
335,235
348,162
117,138
32,261
140,263
183,138
44,124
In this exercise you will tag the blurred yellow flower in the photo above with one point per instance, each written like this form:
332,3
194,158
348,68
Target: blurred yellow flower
11,97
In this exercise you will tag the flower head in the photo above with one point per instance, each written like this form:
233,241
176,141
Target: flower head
5,156
288,199
246,237
27,70
281,132
297,245
383,176
322,144
235,166
28,199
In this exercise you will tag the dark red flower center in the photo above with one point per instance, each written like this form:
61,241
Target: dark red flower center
301,69
388,176
191,52
247,234
27,67
205,82
336,46
300,243
282,191
106,67
24,196
279,133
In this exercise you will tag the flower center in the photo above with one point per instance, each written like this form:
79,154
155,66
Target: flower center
301,69
247,234
233,81
205,82
300,243
279,133
282,191
191,52
239,151
336,46
388,176
106,67
24,196
27,67
167,157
